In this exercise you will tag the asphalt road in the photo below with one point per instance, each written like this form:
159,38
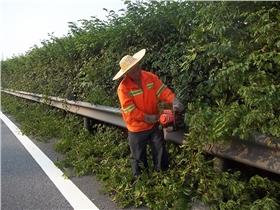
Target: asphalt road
25,185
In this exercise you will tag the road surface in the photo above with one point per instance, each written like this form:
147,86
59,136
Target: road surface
30,180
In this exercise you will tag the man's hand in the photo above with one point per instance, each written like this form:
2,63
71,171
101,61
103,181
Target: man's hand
151,118
177,105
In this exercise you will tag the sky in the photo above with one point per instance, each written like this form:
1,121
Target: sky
27,23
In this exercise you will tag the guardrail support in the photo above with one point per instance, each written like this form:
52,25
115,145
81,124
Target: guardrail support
219,164
87,123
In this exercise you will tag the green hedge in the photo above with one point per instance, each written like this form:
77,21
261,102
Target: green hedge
222,59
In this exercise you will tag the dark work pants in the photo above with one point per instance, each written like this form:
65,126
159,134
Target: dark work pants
138,142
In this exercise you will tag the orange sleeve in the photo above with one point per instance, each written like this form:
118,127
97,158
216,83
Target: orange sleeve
162,91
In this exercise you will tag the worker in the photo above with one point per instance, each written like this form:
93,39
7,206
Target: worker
139,93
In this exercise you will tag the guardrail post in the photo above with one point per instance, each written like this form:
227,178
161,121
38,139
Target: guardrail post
87,123
219,164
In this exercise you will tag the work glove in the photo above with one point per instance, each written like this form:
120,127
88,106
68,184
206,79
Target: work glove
151,118
177,105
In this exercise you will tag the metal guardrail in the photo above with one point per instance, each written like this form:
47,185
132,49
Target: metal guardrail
261,152
99,112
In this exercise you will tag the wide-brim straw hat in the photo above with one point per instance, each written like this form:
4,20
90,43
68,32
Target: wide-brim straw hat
128,62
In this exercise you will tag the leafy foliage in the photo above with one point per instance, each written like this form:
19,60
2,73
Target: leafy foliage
220,58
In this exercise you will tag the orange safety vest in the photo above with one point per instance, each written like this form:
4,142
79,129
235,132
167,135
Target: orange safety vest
137,102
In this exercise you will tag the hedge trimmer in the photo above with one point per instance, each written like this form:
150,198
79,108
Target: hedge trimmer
171,120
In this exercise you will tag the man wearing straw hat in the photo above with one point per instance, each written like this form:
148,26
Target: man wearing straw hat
139,93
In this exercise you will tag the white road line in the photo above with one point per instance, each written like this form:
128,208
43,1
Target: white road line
76,198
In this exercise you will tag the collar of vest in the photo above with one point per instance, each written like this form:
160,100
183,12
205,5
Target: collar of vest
144,77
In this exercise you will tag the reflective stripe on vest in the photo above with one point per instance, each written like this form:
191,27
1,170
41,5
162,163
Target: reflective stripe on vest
129,108
162,87
151,85
136,92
